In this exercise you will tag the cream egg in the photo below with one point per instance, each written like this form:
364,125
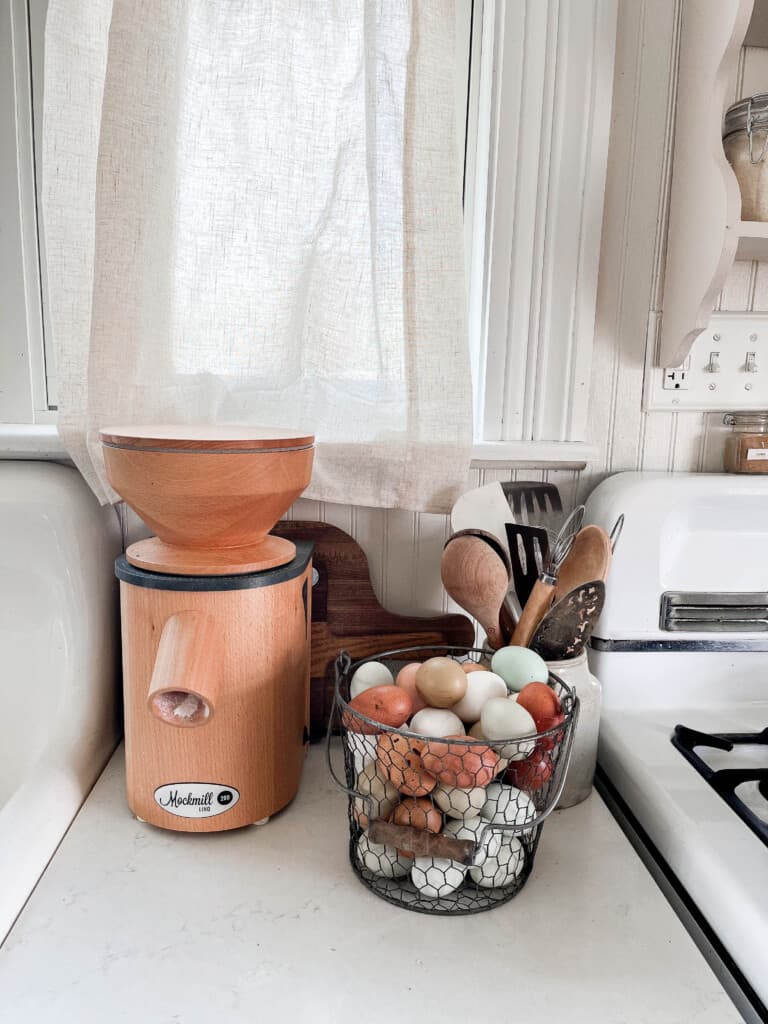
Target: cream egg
380,860
436,722
504,719
368,675
501,868
507,805
436,876
459,803
481,686
381,797
480,832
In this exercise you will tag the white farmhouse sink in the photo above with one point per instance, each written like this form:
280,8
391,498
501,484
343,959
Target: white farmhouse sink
58,663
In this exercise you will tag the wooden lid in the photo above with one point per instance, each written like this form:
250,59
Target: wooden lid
204,438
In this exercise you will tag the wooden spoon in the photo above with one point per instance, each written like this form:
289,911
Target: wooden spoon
589,559
477,579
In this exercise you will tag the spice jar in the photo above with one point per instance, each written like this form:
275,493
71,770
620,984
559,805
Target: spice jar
746,447
745,141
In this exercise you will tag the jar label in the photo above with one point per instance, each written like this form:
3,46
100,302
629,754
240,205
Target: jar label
757,453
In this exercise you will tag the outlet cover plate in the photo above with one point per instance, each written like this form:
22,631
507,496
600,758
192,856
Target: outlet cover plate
733,336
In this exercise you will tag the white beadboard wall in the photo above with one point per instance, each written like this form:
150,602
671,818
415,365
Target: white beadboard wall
632,255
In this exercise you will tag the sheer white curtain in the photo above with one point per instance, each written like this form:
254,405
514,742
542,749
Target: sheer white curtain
252,215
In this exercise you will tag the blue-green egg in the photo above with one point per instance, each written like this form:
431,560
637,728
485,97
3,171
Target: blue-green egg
518,666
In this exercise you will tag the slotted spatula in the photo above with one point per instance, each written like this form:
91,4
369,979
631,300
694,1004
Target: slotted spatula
528,553
543,591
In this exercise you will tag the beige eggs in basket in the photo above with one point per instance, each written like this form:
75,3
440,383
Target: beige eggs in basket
441,682
481,686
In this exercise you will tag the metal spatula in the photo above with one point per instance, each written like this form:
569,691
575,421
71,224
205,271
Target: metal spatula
534,503
543,591
528,553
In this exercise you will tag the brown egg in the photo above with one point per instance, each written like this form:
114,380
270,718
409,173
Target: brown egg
465,765
420,813
540,701
388,705
399,759
441,682
406,680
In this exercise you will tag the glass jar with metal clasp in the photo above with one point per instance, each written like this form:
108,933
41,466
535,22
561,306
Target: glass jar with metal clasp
745,141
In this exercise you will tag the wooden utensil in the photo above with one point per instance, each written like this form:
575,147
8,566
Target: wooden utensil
477,579
543,591
528,555
589,559
346,615
568,625
511,610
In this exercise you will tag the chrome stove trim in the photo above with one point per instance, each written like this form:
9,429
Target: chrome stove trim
599,644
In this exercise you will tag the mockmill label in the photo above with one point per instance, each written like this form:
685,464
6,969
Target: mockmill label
196,799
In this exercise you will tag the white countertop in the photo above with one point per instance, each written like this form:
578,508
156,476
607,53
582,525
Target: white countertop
132,924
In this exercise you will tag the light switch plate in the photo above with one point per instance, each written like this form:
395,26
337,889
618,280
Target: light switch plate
715,373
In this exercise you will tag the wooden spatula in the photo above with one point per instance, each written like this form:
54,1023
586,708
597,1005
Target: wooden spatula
589,559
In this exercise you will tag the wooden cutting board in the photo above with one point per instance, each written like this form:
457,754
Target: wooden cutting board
347,616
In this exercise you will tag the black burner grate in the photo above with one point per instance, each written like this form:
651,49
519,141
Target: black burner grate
726,781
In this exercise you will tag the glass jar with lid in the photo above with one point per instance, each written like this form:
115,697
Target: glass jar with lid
746,447
745,141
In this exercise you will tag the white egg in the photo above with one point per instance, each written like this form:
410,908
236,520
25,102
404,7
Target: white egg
459,803
370,673
382,796
507,805
504,719
481,686
436,722
437,876
480,831
384,861
503,867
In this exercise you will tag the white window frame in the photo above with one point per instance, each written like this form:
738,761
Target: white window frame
536,154
26,393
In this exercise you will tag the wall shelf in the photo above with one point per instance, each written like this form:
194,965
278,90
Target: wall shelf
753,240
705,230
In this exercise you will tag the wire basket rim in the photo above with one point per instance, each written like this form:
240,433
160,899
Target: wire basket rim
352,666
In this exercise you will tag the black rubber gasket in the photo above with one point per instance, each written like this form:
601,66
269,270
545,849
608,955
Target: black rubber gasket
128,573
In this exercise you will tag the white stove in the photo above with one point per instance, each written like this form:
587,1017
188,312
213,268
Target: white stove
683,641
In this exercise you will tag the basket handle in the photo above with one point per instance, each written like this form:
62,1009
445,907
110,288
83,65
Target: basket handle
422,843
343,663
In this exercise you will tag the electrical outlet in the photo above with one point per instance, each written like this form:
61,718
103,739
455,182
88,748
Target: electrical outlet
676,377
724,370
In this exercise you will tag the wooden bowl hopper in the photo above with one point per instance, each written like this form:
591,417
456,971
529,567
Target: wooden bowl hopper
216,621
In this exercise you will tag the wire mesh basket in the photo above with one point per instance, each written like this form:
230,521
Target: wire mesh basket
459,839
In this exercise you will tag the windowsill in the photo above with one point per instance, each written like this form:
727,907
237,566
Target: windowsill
560,454
31,441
